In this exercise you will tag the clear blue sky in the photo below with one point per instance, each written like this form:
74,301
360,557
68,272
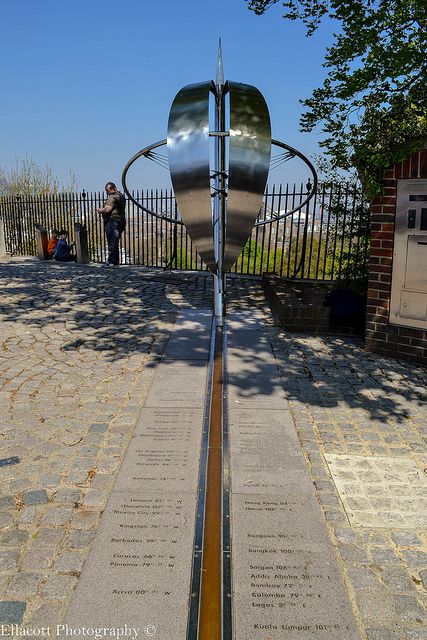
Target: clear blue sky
86,84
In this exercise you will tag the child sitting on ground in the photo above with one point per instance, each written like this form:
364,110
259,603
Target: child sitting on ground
53,241
63,249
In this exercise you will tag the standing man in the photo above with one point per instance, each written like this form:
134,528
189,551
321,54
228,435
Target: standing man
113,214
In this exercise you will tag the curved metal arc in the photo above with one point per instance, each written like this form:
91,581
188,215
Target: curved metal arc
144,152
302,204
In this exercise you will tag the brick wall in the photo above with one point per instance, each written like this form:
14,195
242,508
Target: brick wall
381,337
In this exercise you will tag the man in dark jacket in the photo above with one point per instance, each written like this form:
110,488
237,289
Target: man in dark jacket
113,214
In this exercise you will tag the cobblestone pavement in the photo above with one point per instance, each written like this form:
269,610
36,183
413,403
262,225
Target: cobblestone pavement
78,345
362,424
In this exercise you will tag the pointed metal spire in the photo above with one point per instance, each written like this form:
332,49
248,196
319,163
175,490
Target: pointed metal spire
219,67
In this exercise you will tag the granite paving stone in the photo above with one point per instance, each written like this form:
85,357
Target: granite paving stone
375,606
69,562
28,515
7,520
409,609
37,558
415,634
14,537
46,615
397,579
8,560
7,502
67,495
423,577
24,584
56,516
84,519
46,537
382,634
58,586
12,611
80,538
35,497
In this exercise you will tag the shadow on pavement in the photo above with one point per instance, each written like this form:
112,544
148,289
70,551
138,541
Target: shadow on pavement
124,311
330,372
117,311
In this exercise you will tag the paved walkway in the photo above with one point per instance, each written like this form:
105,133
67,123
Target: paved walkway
78,345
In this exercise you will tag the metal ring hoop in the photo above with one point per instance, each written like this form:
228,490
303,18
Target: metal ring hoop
144,152
276,143
302,204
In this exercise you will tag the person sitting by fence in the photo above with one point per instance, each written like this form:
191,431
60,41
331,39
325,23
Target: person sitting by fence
62,251
53,241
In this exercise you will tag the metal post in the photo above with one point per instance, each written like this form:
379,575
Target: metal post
41,241
21,249
3,252
220,197
80,235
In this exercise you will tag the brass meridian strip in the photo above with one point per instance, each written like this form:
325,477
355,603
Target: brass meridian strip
196,574
210,615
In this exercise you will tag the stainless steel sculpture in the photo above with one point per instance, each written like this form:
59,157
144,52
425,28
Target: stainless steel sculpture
219,204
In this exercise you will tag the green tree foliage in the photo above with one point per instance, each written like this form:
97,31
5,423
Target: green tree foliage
28,178
350,231
285,261
184,260
372,106
350,214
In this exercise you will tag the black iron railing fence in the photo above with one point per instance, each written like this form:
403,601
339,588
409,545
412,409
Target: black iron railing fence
326,240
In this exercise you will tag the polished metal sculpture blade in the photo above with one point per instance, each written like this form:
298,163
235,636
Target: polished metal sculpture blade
249,161
219,68
188,151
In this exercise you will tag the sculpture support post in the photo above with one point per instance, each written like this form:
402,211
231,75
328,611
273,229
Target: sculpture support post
219,211
220,200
